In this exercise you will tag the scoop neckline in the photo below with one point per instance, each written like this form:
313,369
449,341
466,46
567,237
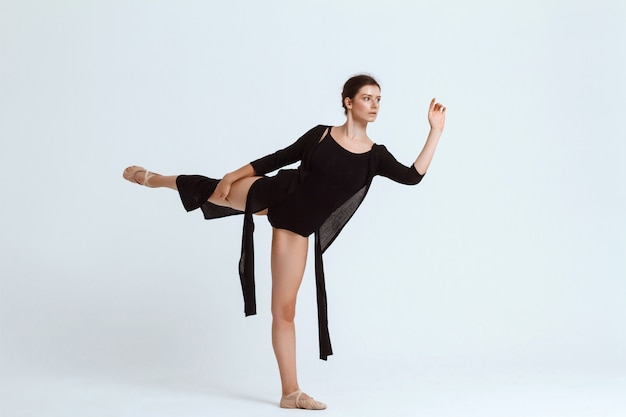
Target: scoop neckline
350,152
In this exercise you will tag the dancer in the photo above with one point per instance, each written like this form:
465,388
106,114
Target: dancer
337,165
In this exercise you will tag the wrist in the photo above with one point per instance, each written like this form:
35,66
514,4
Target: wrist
228,178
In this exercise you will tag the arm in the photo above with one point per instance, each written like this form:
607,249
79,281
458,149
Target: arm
288,155
269,163
223,187
436,119
389,167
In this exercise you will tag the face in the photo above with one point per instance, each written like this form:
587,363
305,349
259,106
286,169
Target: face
365,104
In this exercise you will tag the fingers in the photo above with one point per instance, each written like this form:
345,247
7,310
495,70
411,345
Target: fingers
222,191
436,107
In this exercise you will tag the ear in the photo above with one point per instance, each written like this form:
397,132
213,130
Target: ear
348,102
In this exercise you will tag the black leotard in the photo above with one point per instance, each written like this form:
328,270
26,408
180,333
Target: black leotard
320,196
335,175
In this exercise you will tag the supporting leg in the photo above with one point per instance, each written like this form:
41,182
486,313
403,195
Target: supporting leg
289,252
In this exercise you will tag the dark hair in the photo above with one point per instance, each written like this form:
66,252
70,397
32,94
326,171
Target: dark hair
353,85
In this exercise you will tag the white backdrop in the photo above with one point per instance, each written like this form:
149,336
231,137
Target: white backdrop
507,258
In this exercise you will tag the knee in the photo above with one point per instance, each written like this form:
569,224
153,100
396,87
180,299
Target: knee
286,313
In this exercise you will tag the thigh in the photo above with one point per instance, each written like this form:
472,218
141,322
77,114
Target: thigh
238,194
289,252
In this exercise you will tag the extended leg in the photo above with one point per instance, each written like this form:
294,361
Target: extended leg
150,179
236,198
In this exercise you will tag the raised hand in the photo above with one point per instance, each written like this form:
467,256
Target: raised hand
436,115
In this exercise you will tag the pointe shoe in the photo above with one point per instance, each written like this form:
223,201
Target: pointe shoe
296,400
131,172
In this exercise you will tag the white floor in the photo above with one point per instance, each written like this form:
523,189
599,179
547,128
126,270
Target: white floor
385,388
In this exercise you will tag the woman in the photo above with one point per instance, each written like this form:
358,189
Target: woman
337,167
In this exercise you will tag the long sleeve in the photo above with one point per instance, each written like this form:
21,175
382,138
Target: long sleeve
288,155
389,167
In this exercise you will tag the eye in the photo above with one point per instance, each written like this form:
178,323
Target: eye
366,98
378,100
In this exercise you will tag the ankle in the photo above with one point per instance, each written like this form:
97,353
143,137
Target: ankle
148,178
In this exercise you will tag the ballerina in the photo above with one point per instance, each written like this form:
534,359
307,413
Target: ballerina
337,166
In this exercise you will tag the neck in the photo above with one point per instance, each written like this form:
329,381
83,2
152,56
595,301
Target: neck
354,129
